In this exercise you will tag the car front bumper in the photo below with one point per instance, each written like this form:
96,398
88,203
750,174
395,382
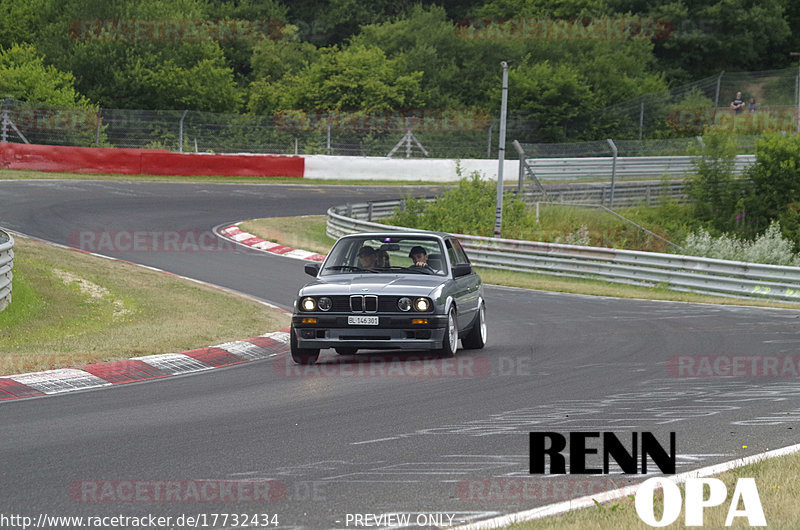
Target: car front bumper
392,332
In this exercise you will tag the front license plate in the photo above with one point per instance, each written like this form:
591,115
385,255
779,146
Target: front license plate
363,321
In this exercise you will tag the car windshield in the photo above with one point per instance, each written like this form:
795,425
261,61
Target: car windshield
386,255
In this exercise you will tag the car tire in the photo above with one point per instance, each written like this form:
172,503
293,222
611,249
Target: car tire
301,355
476,338
450,340
346,351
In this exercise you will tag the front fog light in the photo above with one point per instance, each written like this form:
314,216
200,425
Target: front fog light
421,304
308,304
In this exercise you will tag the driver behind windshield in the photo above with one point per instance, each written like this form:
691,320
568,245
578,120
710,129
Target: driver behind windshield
419,256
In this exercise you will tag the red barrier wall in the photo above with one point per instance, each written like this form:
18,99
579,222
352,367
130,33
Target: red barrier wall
145,161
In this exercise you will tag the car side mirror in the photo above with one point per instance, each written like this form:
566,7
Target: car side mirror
312,269
462,269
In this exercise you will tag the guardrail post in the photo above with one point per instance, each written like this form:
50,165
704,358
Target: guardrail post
369,211
6,268
349,210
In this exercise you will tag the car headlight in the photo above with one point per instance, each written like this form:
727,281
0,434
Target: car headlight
308,304
422,304
325,303
404,304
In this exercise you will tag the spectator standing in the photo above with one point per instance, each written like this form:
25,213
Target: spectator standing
738,103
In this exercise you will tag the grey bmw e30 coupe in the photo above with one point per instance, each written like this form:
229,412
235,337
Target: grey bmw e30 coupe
392,290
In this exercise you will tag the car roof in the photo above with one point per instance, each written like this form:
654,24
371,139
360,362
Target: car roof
397,233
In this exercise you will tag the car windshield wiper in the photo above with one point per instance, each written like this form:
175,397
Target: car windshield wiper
349,268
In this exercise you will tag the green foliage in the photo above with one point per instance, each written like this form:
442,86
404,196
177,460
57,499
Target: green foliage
770,247
553,93
776,184
468,208
716,193
355,77
23,75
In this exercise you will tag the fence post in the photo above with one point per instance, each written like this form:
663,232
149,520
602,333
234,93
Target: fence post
716,96
613,170
641,120
97,130
180,134
329,135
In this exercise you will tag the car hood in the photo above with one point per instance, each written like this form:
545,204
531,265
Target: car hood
380,284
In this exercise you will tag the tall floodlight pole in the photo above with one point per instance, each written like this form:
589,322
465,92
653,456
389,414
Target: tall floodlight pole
795,54
498,218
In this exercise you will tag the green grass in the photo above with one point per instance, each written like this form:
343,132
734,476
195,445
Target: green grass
70,309
305,232
778,490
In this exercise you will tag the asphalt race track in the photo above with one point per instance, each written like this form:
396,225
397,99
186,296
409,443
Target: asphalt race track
371,436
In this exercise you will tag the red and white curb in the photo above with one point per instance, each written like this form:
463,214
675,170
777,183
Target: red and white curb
234,233
139,369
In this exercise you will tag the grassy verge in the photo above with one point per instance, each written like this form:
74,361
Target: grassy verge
778,490
70,309
12,174
308,233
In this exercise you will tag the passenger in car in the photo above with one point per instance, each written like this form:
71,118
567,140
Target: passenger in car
419,256
367,257
382,259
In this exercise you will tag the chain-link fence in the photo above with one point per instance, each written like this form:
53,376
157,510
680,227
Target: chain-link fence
771,104
677,115
466,133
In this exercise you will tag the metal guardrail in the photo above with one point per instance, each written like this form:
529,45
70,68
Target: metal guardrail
625,193
6,268
676,272
627,167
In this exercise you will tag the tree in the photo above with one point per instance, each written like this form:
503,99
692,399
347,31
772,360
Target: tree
776,186
23,75
354,77
148,54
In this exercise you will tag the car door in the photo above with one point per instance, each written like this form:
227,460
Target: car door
467,288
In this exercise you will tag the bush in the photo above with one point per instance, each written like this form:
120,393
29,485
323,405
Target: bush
770,247
715,192
776,184
468,208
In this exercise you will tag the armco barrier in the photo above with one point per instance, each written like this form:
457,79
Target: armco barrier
145,161
677,272
6,268
626,167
